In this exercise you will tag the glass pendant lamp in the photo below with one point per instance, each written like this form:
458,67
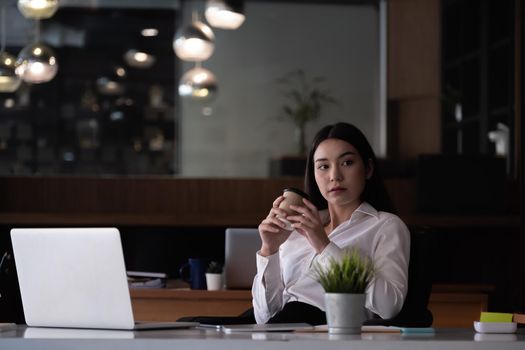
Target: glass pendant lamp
194,42
36,63
112,83
38,9
198,84
225,14
9,81
139,59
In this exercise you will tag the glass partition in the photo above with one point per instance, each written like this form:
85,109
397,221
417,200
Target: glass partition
107,112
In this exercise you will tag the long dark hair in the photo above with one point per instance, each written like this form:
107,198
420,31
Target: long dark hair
374,193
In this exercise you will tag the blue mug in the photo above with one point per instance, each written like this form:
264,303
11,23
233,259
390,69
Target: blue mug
193,272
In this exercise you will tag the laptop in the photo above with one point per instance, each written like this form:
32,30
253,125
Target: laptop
76,278
241,245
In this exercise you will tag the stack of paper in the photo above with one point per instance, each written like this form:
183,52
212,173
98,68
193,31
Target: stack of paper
141,279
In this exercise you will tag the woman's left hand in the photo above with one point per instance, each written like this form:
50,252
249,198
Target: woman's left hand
309,224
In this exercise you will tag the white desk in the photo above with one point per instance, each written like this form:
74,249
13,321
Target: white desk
196,339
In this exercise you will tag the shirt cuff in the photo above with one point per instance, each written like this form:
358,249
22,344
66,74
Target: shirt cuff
268,264
330,252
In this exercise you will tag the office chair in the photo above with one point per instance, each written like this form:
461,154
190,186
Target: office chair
415,312
10,300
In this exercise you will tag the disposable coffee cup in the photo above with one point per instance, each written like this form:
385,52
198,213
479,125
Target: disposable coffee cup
292,196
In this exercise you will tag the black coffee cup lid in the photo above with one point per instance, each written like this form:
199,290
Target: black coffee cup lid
298,191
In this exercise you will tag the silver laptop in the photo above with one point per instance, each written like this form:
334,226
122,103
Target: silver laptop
241,245
75,278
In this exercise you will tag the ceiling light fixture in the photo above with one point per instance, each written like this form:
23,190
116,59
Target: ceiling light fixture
149,32
38,9
36,63
198,84
139,59
9,81
225,14
194,42
112,83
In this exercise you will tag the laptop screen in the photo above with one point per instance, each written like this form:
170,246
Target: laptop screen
241,245
72,277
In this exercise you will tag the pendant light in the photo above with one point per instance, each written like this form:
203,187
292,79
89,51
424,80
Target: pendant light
225,14
113,82
9,81
198,84
139,59
36,62
194,42
38,9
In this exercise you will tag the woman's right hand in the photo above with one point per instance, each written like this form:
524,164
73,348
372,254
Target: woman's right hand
272,230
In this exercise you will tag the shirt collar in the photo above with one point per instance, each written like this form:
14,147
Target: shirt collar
364,208
367,209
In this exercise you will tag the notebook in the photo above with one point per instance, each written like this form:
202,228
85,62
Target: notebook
241,245
268,327
76,278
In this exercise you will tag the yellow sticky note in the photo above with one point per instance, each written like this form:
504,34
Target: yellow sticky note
495,317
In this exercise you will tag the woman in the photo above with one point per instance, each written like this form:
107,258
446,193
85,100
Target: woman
349,206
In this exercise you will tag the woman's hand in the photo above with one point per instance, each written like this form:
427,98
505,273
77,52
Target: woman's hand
272,230
308,223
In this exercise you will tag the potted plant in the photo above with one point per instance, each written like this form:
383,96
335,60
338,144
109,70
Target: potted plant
345,282
214,276
305,99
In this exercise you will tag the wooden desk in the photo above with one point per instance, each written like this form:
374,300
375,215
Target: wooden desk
456,310
23,338
450,309
171,304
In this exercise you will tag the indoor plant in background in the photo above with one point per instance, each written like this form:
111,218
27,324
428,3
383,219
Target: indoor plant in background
305,99
214,276
345,282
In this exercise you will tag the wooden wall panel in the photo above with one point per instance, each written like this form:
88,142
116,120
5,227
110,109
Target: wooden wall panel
419,127
414,88
159,201
413,48
140,200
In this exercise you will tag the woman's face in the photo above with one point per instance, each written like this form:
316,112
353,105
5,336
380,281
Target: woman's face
340,172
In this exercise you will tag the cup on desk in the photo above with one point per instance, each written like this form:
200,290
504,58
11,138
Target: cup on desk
193,272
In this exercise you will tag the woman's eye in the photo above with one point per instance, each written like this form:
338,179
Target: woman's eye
322,167
348,162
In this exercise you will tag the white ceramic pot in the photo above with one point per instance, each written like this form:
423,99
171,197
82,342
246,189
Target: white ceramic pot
345,313
214,281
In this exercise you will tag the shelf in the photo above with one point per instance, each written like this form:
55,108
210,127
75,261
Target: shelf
249,220
444,221
126,219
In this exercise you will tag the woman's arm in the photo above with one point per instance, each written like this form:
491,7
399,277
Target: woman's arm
268,287
390,250
391,254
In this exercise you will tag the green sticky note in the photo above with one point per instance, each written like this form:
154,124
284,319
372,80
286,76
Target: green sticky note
495,317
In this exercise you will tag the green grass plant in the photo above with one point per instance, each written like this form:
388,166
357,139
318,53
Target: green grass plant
351,274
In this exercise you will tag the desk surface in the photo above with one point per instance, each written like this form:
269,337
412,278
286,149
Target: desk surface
79,339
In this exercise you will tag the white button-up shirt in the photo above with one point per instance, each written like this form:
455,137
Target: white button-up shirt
288,274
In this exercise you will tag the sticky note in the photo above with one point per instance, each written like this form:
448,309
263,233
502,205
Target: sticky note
417,330
495,317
